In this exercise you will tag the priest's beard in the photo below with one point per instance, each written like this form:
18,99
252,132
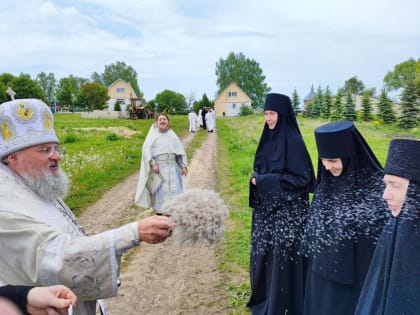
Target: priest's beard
48,185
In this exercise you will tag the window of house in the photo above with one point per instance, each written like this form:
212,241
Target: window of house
121,101
233,106
120,90
232,94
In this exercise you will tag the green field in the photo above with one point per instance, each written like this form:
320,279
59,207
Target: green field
97,160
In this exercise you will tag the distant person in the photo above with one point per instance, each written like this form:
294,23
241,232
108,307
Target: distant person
200,118
392,284
203,117
36,300
280,184
210,120
163,166
41,241
345,219
192,119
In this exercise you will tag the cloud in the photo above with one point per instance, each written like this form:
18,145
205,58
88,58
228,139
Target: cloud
174,44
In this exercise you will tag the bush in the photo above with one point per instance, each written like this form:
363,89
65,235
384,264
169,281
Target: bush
112,137
70,138
245,111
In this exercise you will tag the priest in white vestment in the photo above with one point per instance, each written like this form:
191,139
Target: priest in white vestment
41,241
192,119
210,120
163,166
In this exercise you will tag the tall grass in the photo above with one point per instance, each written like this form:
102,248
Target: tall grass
238,140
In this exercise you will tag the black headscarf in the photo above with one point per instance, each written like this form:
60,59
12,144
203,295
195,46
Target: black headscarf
280,201
392,285
347,206
282,152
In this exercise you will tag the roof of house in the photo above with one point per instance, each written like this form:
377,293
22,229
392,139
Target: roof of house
233,86
132,92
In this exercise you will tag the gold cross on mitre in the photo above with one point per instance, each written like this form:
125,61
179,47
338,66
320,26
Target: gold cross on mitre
11,93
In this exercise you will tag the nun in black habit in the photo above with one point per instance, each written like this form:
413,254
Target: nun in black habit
392,285
282,179
345,219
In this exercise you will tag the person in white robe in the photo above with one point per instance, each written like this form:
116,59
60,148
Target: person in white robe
192,119
210,120
41,241
163,166
200,117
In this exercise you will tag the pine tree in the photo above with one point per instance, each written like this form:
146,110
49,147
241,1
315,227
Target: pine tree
308,109
366,107
326,104
350,108
317,104
337,111
385,112
409,107
295,102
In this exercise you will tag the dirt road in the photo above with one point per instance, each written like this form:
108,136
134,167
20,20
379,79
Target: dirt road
163,279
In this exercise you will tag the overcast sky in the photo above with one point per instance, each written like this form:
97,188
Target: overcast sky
175,44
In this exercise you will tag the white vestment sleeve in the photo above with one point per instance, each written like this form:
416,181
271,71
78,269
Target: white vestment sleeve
35,253
88,264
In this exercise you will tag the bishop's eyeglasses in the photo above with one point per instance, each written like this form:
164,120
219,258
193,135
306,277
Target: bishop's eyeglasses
49,151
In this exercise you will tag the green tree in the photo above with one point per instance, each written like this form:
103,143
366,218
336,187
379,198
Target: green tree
354,85
93,96
245,111
117,106
350,108
402,74
25,87
417,79
48,84
3,95
5,82
197,106
366,106
307,110
326,104
409,107
168,100
115,71
295,102
337,108
385,112
205,102
6,78
317,104
68,90
246,73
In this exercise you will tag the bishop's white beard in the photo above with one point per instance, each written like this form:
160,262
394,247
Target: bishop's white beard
48,185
